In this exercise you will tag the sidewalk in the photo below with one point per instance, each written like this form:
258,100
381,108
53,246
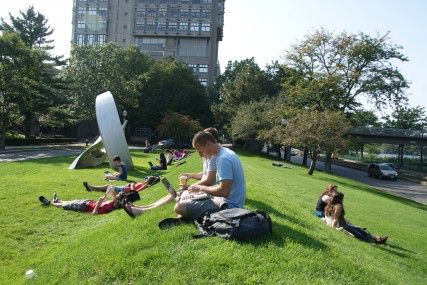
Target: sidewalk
13,149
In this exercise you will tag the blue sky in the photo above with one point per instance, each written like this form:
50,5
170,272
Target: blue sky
265,29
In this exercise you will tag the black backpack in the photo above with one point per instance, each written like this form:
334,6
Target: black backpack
236,224
127,197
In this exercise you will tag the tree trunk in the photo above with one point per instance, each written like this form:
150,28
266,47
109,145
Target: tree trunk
328,162
305,156
279,154
2,136
313,163
288,154
27,125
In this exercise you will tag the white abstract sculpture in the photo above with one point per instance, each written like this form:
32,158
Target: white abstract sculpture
112,136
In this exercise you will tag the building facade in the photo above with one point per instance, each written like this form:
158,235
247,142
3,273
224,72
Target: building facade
188,30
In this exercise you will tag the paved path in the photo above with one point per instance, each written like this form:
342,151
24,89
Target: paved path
41,152
403,188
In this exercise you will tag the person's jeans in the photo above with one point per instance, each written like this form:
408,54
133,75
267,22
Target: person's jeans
359,233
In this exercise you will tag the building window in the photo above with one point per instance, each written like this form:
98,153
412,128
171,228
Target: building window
151,12
184,13
206,27
80,39
193,67
140,13
150,26
185,1
92,11
205,13
203,81
172,12
161,26
125,27
206,1
195,13
195,1
152,1
203,68
152,46
102,25
91,40
101,39
102,11
162,13
174,1
183,27
81,24
81,11
126,13
172,26
194,27
163,1
139,25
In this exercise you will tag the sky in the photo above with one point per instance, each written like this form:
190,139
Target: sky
265,29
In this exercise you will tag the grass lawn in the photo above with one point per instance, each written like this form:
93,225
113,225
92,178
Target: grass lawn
76,248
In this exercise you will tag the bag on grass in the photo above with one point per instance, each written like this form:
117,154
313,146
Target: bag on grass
236,224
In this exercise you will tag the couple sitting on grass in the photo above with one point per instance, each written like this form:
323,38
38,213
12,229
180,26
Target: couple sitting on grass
219,164
330,207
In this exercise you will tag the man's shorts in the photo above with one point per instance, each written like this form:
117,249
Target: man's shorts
76,205
195,208
119,189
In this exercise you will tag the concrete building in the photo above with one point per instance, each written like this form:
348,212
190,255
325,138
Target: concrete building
188,30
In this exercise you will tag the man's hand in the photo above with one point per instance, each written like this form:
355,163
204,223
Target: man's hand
195,188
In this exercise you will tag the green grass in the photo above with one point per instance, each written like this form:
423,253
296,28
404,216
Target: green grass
76,248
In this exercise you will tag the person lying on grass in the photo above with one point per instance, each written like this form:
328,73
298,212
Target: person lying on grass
122,174
100,206
324,199
334,216
138,186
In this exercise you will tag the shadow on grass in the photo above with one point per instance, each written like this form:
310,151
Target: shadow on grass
396,250
270,210
377,192
282,233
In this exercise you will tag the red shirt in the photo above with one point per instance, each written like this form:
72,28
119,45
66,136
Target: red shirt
136,186
105,207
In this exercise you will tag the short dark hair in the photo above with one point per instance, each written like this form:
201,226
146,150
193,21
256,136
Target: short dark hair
202,137
213,131
116,158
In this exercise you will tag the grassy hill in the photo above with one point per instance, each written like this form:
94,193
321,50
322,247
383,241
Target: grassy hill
76,248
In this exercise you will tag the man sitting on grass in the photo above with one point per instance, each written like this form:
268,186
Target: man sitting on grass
123,170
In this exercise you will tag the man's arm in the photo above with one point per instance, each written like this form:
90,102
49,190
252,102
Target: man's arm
98,204
208,180
222,189
196,176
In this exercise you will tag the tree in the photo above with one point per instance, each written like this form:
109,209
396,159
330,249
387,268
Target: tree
328,72
250,120
33,30
172,87
241,83
32,27
336,70
179,127
16,67
318,131
405,117
96,69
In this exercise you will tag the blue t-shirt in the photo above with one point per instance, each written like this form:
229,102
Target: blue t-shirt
124,175
229,168
208,165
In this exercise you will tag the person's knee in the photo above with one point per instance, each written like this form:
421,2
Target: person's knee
180,209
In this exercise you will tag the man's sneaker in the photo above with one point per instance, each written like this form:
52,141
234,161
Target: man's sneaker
85,184
150,163
55,198
44,201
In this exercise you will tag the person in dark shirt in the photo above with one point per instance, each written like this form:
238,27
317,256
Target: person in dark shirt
324,199
122,173
163,163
